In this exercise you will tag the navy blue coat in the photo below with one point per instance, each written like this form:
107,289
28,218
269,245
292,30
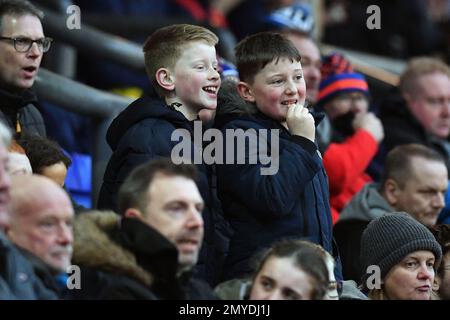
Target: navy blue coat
293,203
142,132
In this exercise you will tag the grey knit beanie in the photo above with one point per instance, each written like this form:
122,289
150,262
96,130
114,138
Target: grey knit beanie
390,238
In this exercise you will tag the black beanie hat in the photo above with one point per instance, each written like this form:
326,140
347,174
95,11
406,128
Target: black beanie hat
390,238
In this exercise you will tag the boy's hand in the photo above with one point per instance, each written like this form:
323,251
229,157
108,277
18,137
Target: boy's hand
369,122
300,122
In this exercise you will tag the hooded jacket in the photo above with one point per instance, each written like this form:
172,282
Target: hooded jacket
292,203
126,259
365,206
20,108
142,132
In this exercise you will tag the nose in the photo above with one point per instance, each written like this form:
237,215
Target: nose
214,74
425,272
446,109
195,219
34,51
65,234
439,200
291,87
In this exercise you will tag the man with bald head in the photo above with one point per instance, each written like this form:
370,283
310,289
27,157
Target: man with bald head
17,278
41,224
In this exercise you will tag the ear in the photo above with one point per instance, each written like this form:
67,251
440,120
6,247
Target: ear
436,283
133,213
245,92
165,79
391,191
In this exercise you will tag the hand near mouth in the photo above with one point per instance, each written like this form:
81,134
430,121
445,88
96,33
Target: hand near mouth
300,122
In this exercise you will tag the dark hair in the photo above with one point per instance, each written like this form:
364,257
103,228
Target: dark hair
397,165
18,8
42,152
306,257
254,52
442,234
133,191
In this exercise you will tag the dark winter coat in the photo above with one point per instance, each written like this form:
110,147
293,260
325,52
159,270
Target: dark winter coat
21,108
142,132
126,259
293,203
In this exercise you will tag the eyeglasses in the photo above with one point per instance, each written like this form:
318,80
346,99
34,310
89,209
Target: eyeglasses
25,44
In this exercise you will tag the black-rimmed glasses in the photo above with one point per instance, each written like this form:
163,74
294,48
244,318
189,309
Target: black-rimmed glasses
25,44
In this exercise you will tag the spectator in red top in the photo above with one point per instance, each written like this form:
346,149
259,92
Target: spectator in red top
356,132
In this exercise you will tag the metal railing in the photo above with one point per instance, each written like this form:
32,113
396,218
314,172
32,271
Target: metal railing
101,106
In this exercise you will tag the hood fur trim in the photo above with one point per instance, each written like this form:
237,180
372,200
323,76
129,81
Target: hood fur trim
93,247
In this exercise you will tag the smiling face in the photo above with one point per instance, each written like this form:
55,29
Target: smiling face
277,86
195,77
18,69
175,210
412,278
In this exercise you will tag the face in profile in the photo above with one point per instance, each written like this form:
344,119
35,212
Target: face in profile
278,86
412,278
56,172
281,279
430,103
46,231
175,210
423,193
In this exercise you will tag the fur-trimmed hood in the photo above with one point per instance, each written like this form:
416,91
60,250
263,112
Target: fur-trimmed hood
93,247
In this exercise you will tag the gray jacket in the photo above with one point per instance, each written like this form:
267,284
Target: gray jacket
17,279
366,205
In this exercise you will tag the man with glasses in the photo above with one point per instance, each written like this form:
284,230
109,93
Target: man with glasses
22,45
356,132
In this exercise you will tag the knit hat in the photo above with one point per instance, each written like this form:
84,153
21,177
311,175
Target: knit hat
390,238
338,77
298,17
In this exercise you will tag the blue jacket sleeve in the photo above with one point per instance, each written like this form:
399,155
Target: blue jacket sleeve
272,195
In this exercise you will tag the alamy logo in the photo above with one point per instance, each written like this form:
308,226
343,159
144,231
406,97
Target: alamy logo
74,279
74,19
241,147
374,21
374,280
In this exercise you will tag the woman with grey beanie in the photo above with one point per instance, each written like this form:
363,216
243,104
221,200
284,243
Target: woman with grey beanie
400,256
